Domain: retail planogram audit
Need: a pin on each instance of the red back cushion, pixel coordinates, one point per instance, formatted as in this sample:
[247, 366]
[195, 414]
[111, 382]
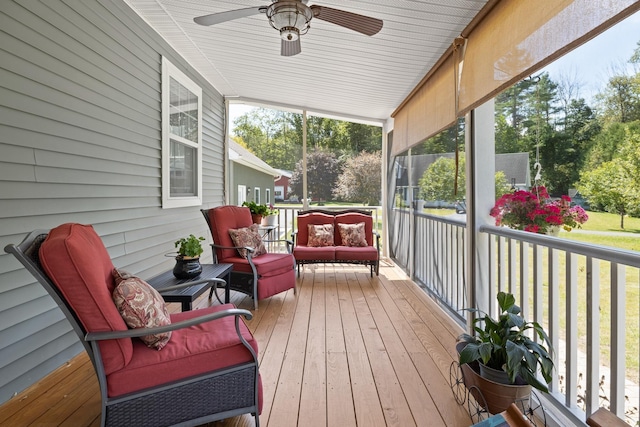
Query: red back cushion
[224, 218]
[354, 218]
[303, 225]
[77, 262]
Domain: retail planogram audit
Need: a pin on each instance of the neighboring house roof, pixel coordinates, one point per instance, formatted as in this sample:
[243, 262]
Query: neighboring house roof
[241, 155]
[285, 173]
[514, 165]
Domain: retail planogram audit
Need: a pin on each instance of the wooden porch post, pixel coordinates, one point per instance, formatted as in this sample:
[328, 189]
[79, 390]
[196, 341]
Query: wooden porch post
[480, 152]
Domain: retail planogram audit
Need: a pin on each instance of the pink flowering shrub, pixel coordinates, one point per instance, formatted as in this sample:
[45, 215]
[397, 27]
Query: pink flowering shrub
[534, 211]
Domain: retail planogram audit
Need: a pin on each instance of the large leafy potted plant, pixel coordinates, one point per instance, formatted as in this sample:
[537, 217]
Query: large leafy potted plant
[188, 258]
[505, 345]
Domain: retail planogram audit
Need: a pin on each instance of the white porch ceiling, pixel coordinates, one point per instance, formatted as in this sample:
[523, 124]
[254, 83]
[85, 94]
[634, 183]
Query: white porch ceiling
[339, 72]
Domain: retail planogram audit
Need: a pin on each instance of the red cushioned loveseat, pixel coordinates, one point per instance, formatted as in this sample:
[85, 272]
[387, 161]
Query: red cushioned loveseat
[336, 250]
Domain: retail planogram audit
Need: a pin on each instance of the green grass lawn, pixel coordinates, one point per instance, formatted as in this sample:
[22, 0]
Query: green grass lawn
[603, 221]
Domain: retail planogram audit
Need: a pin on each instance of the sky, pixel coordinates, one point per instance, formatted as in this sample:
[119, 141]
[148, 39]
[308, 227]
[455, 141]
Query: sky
[590, 63]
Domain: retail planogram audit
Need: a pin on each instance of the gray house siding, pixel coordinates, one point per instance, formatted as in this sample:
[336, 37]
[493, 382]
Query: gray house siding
[80, 141]
[244, 175]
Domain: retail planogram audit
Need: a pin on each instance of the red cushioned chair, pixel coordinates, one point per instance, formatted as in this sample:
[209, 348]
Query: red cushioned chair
[259, 277]
[207, 371]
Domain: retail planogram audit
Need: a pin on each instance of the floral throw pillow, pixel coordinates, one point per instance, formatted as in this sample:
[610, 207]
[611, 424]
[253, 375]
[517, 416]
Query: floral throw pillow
[320, 235]
[353, 234]
[141, 306]
[248, 237]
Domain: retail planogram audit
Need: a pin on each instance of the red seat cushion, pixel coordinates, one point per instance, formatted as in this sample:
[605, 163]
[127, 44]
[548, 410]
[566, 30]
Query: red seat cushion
[355, 253]
[306, 253]
[77, 262]
[191, 351]
[269, 264]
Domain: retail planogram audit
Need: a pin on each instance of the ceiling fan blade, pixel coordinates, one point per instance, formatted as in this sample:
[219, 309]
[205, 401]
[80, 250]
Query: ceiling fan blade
[290, 47]
[360, 23]
[217, 18]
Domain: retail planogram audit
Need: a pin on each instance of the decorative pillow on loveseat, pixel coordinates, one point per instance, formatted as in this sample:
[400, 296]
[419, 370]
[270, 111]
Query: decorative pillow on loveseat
[320, 235]
[141, 306]
[353, 234]
[248, 237]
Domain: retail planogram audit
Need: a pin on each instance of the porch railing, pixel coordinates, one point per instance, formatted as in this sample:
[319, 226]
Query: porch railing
[582, 294]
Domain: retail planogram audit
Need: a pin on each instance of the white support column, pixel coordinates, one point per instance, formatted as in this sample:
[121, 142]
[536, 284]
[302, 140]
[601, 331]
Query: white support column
[225, 156]
[411, 260]
[480, 161]
[385, 187]
[305, 202]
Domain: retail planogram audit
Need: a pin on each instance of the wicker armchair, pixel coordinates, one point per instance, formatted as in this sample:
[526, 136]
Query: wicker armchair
[207, 371]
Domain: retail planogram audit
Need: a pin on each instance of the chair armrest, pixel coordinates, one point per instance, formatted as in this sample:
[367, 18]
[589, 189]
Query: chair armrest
[140, 332]
[249, 248]
[194, 283]
[293, 237]
[375, 233]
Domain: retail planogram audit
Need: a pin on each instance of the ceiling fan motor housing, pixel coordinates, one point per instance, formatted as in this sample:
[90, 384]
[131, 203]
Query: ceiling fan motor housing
[290, 17]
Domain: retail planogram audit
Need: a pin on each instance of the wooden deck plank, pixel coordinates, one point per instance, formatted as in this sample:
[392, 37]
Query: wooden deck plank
[394, 402]
[340, 409]
[287, 395]
[347, 350]
[366, 402]
[313, 399]
[274, 353]
[403, 317]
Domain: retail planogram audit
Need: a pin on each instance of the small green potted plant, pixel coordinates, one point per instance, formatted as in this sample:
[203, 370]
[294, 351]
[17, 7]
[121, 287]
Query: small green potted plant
[504, 345]
[271, 217]
[188, 258]
[257, 210]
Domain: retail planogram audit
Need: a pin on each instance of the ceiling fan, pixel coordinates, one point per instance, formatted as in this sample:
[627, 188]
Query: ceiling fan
[292, 18]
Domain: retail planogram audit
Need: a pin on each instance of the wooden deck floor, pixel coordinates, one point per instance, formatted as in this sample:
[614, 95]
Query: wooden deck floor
[347, 350]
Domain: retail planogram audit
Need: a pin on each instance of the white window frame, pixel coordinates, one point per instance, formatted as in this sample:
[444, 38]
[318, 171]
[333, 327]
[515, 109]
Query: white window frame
[256, 195]
[170, 71]
[267, 196]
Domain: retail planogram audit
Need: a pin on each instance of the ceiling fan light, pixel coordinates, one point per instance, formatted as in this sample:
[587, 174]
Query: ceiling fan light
[291, 18]
[289, 33]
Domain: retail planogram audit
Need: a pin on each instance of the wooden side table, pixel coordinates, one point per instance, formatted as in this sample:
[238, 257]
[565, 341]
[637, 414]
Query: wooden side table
[188, 294]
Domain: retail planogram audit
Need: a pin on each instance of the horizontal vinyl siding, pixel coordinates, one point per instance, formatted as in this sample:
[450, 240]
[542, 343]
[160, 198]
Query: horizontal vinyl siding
[80, 141]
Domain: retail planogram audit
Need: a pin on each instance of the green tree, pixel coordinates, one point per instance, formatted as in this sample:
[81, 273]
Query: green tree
[269, 135]
[323, 169]
[620, 100]
[502, 185]
[437, 182]
[360, 180]
[443, 142]
[608, 186]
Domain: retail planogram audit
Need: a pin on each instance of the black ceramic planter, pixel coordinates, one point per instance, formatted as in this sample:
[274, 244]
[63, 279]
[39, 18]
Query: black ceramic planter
[187, 268]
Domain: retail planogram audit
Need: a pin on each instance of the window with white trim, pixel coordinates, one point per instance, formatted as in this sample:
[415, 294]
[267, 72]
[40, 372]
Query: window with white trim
[256, 195]
[267, 196]
[181, 139]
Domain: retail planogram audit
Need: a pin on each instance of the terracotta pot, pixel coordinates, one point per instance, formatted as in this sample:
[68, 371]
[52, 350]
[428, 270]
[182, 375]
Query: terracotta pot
[257, 218]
